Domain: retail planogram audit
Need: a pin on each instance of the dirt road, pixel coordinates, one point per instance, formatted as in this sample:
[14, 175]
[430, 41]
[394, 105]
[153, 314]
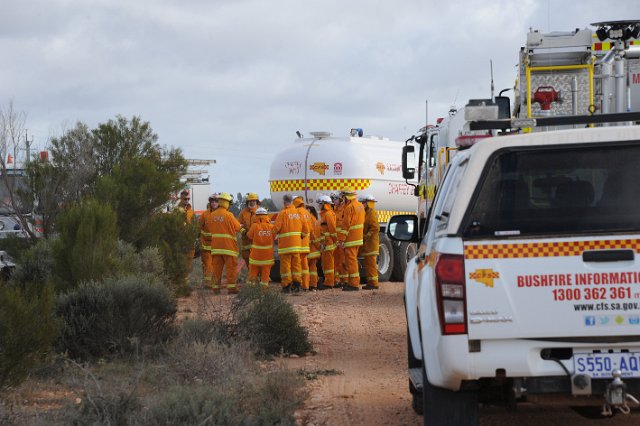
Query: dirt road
[362, 336]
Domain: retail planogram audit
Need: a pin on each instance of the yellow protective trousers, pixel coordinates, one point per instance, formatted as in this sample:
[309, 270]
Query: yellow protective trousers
[313, 272]
[304, 269]
[339, 266]
[260, 270]
[326, 260]
[371, 269]
[220, 261]
[351, 265]
[207, 267]
[290, 269]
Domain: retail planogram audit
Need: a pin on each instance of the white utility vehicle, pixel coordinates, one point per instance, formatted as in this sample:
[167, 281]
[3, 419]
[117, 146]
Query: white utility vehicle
[527, 277]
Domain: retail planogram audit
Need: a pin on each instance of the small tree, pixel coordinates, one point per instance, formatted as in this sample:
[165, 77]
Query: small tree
[14, 198]
[174, 240]
[87, 243]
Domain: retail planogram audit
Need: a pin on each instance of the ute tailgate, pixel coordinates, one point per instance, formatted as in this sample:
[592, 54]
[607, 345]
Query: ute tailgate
[553, 288]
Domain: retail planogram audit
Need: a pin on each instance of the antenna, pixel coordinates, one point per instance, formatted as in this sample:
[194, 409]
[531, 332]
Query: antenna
[492, 87]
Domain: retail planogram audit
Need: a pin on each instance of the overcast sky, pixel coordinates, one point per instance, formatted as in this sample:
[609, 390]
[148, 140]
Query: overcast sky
[232, 80]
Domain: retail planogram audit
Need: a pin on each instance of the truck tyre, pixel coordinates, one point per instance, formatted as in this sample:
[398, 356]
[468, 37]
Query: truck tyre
[402, 253]
[443, 407]
[385, 258]
[275, 272]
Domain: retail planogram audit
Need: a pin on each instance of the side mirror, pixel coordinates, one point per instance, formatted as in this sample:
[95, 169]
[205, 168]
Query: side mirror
[408, 162]
[504, 106]
[403, 227]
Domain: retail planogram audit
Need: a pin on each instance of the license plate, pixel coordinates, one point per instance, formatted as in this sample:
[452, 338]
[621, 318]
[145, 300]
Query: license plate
[600, 365]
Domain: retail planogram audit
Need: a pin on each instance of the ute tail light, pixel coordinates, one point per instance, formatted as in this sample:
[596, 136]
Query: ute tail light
[451, 294]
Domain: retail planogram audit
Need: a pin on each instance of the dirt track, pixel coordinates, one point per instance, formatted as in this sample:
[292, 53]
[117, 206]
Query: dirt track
[363, 336]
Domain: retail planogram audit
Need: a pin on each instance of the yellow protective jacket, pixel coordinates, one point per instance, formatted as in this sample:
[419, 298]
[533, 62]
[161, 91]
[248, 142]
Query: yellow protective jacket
[328, 228]
[224, 227]
[262, 236]
[352, 224]
[317, 238]
[246, 218]
[290, 229]
[371, 234]
[206, 229]
[188, 213]
[306, 216]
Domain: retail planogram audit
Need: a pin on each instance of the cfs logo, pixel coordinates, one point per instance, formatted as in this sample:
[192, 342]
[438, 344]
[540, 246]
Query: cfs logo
[319, 167]
[264, 233]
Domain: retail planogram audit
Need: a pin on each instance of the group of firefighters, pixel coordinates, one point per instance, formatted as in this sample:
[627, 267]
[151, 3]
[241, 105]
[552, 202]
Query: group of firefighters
[344, 228]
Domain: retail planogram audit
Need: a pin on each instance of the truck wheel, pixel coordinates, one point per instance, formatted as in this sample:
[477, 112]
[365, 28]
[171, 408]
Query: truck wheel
[445, 407]
[385, 258]
[402, 253]
[275, 272]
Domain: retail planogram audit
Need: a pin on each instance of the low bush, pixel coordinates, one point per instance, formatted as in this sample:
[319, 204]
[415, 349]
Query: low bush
[117, 316]
[146, 263]
[270, 322]
[35, 264]
[28, 328]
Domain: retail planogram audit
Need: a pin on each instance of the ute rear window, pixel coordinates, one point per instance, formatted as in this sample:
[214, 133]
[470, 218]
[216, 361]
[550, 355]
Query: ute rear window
[557, 191]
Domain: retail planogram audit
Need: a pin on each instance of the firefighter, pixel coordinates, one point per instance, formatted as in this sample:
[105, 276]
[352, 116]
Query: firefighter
[185, 208]
[262, 236]
[340, 276]
[316, 239]
[327, 245]
[245, 217]
[350, 237]
[224, 245]
[298, 203]
[371, 238]
[290, 228]
[206, 225]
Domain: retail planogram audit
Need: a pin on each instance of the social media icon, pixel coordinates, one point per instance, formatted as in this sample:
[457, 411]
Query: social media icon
[619, 319]
[634, 319]
[604, 320]
[590, 320]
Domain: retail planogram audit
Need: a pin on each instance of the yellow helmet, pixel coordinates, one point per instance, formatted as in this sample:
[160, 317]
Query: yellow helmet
[298, 200]
[252, 196]
[225, 196]
[348, 190]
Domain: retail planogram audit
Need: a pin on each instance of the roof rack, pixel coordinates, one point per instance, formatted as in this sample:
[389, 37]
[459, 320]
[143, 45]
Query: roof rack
[567, 120]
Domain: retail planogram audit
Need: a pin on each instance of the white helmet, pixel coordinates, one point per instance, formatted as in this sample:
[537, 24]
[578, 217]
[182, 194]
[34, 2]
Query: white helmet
[324, 199]
[370, 197]
[261, 210]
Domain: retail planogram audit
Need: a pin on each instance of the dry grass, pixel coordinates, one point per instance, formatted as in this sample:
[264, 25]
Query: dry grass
[197, 378]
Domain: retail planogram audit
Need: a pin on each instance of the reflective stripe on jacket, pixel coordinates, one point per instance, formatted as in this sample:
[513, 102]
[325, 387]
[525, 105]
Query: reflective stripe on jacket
[224, 228]
[261, 235]
[353, 224]
[371, 234]
[289, 228]
[246, 217]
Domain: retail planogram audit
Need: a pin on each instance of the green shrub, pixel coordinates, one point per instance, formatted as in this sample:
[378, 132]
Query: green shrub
[146, 263]
[28, 327]
[35, 264]
[86, 245]
[116, 316]
[270, 322]
[174, 241]
[197, 405]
